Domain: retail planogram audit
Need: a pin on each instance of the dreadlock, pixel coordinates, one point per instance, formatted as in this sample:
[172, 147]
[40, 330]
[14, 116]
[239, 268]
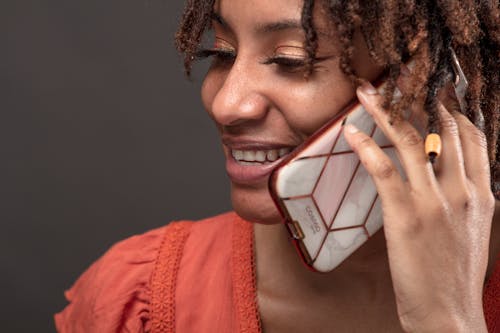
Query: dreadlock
[394, 31]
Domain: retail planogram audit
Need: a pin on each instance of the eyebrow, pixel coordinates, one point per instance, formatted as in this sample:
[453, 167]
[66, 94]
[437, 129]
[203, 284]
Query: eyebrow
[279, 26]
[263, 28]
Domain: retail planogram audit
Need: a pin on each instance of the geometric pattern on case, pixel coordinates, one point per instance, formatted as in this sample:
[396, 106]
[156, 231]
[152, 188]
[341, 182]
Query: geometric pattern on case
[338, 246]
[332, 183]
[359, 118]
[324, 145]
[302, 176]
[338, 224]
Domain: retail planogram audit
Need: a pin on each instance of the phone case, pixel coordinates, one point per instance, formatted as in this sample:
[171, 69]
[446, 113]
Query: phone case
[326, 197]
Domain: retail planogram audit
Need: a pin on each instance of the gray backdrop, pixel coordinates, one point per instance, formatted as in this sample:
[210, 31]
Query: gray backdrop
[101, 137]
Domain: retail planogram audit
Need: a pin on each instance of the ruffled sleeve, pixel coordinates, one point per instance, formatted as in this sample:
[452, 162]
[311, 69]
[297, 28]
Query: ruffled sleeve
[113, 295]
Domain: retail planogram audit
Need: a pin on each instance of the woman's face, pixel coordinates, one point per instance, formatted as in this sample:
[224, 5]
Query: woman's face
[257, 92]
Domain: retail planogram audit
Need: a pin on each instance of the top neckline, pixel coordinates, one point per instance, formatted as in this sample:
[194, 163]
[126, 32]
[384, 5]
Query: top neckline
[245, 284]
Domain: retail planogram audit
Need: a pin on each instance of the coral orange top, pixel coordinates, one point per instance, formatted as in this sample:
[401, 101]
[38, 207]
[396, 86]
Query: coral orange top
[185, 277]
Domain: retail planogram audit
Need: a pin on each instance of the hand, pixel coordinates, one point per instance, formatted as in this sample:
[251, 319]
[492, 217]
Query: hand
[437, 222]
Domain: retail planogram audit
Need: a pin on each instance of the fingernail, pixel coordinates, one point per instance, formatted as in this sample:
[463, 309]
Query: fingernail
[368, 89]
[350, 128]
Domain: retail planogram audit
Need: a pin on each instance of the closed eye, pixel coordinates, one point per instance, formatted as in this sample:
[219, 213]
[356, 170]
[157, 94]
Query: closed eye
[223, 56]
[289, 64]
[293, 64]
[220, 56]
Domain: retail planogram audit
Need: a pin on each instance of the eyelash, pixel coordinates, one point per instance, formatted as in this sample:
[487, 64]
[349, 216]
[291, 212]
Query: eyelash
[225, 56]
[287, 64]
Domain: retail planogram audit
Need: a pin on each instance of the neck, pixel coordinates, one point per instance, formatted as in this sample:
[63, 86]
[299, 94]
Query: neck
[279, 268]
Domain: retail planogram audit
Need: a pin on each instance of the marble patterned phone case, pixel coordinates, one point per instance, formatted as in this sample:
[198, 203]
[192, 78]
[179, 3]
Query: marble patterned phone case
[326, 197]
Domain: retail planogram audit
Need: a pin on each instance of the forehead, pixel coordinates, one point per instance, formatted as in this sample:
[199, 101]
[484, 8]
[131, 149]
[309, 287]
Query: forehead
[256, 14]
[251, 10]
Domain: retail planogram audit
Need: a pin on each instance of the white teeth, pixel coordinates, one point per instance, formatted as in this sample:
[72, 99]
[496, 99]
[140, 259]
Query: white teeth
[249, 155]
[272, 155]
[237, 154]
[260, 155]
[284, 151]
[255, 157]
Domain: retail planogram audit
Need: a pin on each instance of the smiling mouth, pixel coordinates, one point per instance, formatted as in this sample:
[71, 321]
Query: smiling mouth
[259, 157]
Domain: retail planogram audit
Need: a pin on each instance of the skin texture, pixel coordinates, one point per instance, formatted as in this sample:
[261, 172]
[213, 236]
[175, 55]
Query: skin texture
[247, 99]
[426, 271]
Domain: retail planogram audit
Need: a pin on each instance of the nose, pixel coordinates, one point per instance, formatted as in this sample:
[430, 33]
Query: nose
[240, 97]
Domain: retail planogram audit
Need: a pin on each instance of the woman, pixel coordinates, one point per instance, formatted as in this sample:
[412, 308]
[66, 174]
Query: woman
[281, 69]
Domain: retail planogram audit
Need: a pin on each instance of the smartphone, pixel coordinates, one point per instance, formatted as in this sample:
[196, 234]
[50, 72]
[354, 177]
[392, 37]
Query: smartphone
[326, 197]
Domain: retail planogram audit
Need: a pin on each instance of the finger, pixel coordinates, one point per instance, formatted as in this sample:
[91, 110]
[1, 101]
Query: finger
[475, 151]
[390, 186]
[448, 98]
[450, 169]
[406, 139]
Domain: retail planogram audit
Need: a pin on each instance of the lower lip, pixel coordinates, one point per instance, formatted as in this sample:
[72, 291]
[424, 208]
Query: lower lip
[249, 174]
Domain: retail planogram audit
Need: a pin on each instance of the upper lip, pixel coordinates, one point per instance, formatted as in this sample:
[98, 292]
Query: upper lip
[242, 143]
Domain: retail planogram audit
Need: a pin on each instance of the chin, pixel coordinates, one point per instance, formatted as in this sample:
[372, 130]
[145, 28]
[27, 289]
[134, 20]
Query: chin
[254, 204]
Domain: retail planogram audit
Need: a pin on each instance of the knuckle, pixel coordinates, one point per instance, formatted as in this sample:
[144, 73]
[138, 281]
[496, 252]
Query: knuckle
[472, 133]
[479, 138]
[465, 200]
[384, 169]
[450, 125]
[441, 211]
[414, 227]
[364, 142]
[460, 198]
[410, 137]
[487, 200]
[472, 200]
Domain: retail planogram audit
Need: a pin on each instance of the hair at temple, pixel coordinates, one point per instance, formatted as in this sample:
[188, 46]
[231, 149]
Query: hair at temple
[394, 31]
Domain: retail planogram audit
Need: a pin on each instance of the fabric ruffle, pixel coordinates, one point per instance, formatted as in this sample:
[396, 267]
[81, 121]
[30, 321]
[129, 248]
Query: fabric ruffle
[114, 294]
[206, 265]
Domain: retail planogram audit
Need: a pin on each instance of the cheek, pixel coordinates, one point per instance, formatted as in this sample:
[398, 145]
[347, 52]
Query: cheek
[311, 105]
[305, 105]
